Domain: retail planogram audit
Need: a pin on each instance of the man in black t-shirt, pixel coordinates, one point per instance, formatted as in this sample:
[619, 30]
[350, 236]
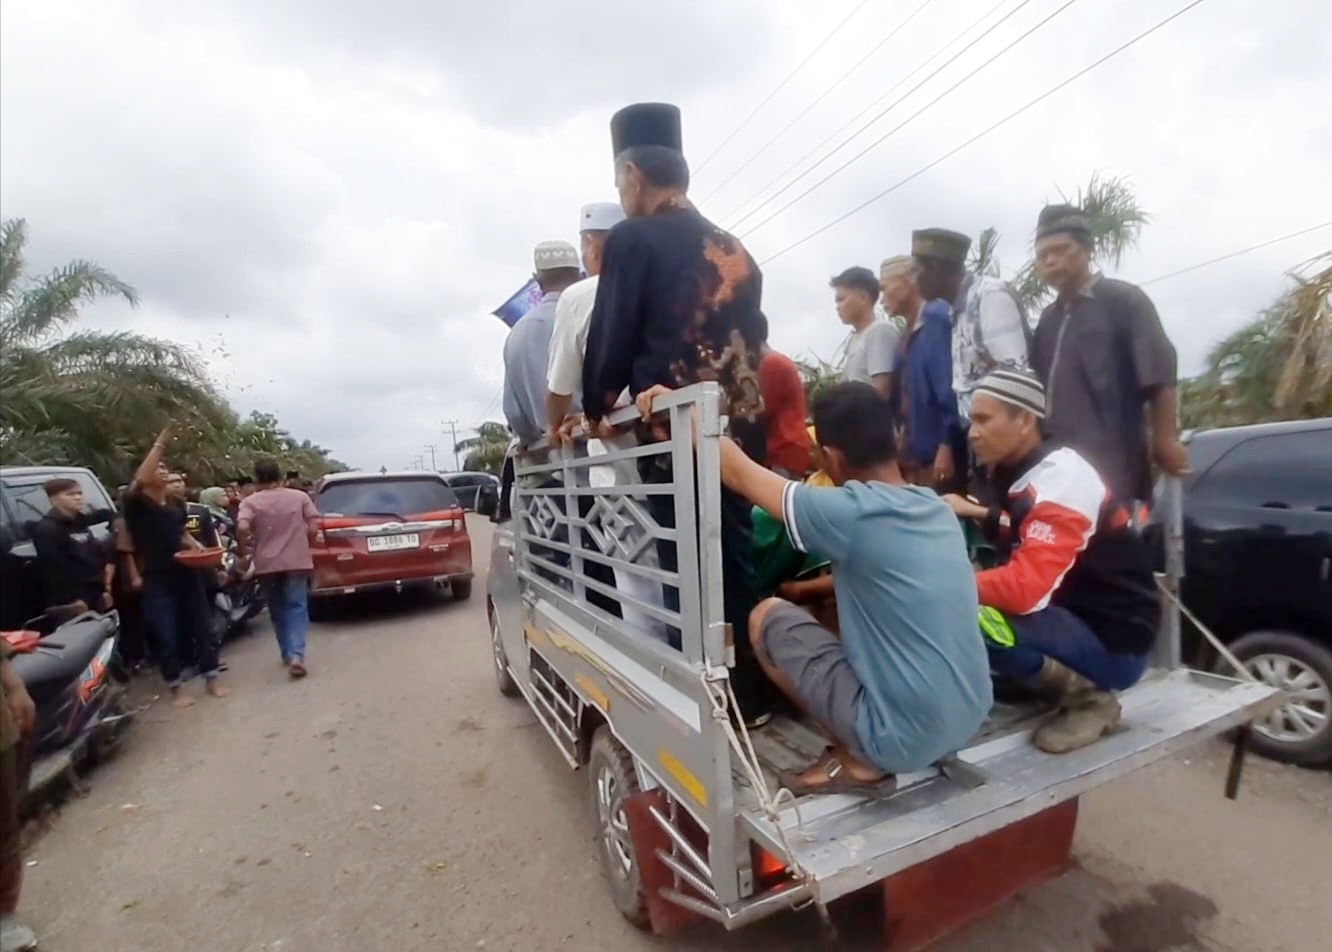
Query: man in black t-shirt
[174, 602]
[75, 566]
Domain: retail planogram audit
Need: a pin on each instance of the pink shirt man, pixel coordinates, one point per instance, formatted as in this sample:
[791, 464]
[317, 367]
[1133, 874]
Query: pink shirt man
[281, 520]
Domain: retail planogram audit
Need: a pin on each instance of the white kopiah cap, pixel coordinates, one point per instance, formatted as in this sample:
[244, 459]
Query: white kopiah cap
[550, 255]
[600, 216]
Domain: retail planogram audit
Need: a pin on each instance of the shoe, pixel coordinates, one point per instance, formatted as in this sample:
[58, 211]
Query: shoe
[15, 936]
[1083, 719]
[296, 669]
[1057, 681]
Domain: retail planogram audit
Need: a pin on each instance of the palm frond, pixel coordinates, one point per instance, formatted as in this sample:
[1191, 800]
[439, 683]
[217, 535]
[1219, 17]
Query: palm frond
[13, 241]
[984, 258]
[1116, 217]
[52, 301]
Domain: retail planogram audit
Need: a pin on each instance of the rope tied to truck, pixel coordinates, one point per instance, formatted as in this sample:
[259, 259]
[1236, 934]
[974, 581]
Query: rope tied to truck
[721, 694]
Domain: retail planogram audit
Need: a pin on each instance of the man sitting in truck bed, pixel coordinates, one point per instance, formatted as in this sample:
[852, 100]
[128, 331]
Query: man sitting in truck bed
[1073, 612]
[907, 682]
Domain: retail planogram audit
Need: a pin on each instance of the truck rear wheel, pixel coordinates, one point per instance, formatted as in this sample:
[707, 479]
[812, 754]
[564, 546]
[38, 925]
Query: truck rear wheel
[612, 780]
[503, 678]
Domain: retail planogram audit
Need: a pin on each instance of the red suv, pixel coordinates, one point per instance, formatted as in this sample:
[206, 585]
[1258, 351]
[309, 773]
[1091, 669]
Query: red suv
[389, 531]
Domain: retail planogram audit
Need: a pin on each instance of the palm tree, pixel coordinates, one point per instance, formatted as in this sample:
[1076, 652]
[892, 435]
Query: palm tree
[87, 397]
[1276, 367]
[485, 451]
[818, 376]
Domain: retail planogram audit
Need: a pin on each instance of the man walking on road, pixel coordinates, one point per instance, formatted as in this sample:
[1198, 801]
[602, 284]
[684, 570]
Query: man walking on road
[17, 717]
[276, 523]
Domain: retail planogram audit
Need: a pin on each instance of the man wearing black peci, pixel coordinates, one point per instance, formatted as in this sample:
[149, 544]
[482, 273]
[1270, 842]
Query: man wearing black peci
[679, 303]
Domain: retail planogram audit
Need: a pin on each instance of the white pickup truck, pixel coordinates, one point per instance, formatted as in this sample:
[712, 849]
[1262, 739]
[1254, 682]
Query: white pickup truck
[692, 823]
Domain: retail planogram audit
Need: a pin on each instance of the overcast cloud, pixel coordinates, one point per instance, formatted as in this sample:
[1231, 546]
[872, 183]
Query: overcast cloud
[329, 198]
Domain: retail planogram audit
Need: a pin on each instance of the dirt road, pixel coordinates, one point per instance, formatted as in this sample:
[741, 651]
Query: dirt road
[394, 801]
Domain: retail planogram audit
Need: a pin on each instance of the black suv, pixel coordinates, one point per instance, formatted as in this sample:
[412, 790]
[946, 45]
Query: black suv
[1258, 556]
[466, 485]
[22, 503]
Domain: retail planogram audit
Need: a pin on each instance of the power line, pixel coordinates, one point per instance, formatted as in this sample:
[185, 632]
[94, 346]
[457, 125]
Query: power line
[980, 135]
[800, 115]
[852, 121]
[780, 86]
[915, 115]
[1235, 254]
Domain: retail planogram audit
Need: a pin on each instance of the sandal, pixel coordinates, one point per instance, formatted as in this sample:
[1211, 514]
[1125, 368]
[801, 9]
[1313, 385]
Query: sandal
[839, 780]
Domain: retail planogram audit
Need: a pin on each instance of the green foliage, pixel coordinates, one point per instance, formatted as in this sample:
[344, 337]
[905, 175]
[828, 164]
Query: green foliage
[818, 376]
[485, 451]
[1276, 367]
[97, 399]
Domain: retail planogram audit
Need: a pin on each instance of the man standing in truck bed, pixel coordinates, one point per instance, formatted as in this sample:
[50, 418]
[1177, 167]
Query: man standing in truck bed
[678, 303]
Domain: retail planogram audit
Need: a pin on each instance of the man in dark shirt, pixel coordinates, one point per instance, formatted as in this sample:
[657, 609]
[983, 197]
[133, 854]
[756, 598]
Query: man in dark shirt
[1103, 356]
[76, 567]
[678, 303]
[174, 602]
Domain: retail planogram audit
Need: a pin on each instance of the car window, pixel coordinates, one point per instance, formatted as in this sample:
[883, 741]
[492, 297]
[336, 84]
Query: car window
[399, 497]
[26, 499]
[1282, 471]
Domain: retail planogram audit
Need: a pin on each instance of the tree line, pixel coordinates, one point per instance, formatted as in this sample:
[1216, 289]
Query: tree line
[82, 397]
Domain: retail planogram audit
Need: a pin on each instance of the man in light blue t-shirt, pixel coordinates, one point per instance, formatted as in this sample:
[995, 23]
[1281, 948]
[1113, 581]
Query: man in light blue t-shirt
[907, 682]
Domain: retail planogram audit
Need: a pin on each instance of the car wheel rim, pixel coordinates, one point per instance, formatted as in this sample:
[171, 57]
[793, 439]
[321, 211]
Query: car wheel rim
[1308, 708]
[614, 823]
[497, 648]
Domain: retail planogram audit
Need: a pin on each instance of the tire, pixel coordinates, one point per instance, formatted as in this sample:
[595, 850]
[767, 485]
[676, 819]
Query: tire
[321, 609]
[1300, 732]
[500, 660]
[612, 779]
[461, 590]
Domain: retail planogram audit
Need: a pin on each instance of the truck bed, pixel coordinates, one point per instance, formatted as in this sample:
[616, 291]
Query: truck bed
[846, 843]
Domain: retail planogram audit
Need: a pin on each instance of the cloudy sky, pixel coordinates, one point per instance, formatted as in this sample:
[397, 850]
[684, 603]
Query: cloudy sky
[328, 198]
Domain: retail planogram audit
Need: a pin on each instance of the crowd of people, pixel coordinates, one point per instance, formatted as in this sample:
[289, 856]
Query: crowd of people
[159, 570]
[843, 548]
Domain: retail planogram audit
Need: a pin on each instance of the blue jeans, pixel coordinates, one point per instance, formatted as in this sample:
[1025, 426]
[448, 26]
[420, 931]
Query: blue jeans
[288, 597]
[175, 607]
[1057, 633]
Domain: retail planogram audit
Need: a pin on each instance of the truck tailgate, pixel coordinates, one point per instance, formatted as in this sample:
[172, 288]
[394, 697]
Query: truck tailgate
[846, 843]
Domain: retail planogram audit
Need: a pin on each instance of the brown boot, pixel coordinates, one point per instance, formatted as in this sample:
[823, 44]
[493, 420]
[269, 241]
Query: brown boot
[1086, 713]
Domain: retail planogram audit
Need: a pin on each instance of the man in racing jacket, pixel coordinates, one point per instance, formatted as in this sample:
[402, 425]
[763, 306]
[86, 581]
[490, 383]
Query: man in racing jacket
[1072, 611]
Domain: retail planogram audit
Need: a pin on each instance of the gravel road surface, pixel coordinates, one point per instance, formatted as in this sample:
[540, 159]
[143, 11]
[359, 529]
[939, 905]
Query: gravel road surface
[394, 801]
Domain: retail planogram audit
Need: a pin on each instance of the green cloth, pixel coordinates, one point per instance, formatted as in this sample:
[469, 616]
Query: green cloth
[776, 560]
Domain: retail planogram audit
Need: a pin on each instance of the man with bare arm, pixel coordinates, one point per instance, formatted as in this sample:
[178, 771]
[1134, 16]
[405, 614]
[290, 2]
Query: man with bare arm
[174, 603]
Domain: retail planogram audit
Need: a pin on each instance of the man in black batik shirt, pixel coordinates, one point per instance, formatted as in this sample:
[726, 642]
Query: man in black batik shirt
[679, 303]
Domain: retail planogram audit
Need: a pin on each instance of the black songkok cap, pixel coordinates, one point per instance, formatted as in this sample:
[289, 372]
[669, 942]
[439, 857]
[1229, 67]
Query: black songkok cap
[646, 123]
[1054, 219]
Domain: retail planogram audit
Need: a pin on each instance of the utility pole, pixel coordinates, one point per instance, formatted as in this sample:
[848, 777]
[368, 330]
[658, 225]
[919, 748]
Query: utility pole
[453, 430]
[431, 448]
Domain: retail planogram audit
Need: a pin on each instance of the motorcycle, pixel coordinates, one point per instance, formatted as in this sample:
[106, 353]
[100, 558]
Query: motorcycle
[237, 598]
[78, 684]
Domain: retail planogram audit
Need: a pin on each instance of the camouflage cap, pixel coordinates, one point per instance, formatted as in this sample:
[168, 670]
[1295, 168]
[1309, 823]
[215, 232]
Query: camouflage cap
[940, 244]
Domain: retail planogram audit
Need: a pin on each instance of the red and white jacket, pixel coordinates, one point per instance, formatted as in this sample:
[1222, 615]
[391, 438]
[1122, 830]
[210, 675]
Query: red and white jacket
[1071, 548]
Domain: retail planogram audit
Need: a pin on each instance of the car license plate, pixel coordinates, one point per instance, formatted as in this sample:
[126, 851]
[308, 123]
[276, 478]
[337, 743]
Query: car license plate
[393, 543]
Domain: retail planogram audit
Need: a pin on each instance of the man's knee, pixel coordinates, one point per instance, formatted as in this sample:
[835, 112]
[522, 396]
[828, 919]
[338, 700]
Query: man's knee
[757, 617]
